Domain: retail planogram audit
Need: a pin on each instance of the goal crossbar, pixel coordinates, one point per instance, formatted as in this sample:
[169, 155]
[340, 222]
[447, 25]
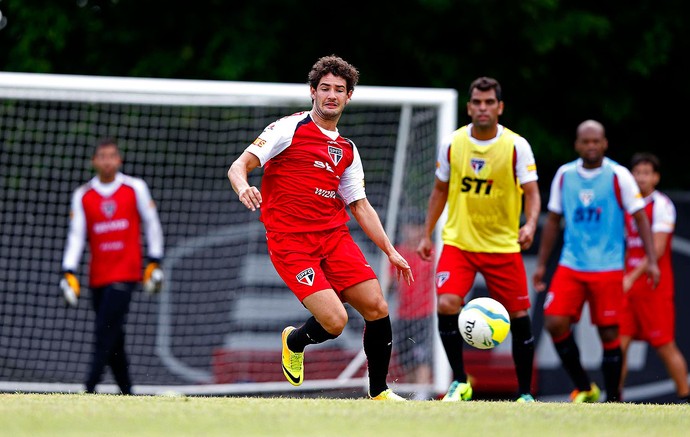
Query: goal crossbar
[202, 92]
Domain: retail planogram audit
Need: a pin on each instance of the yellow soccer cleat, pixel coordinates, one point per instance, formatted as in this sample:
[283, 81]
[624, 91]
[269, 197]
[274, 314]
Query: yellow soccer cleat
[587, 396]
[458, 391]
[293, 362]
[387, 395]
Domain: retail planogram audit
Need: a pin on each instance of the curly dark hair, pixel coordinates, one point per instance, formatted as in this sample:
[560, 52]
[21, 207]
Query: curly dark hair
[485, 84]
[335, 65]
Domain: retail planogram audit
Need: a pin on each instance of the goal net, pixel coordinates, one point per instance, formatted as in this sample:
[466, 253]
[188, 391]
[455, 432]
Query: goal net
[215, 328]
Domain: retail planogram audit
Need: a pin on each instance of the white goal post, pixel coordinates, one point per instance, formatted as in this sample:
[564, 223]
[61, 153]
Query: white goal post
[215, 328]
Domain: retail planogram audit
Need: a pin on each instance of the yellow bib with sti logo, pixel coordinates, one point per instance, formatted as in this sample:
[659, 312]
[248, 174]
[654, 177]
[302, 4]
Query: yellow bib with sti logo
[484, 194]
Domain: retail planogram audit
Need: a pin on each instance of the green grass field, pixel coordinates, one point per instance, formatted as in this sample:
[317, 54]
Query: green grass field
[110, 415]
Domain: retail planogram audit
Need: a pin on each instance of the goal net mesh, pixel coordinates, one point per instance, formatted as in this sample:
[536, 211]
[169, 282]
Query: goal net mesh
[216, 325]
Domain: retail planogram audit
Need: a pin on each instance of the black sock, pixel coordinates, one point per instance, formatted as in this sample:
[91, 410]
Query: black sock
[611, 367]
[570, 358]
[310, 333]
[378, 344]
[523, 352]
[452, 343]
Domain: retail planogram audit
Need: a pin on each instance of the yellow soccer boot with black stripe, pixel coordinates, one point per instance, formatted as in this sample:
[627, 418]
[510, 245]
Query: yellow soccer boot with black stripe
[293, 362]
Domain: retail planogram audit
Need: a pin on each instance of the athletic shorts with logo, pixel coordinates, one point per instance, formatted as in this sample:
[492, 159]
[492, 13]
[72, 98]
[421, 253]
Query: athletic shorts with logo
[313, 261]
[504, 274]
[570, 289]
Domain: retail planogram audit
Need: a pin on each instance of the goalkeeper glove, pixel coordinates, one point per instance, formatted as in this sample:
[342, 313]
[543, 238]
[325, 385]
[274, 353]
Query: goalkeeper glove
[153, 278]
[69, 285]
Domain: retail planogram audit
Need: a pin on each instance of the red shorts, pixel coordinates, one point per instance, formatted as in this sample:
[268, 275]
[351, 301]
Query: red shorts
[570, 289]
[313, 261]
[504, 274]
[649, 315]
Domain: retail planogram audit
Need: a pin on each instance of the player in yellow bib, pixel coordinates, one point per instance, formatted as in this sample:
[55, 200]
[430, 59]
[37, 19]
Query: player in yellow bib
[483, 172]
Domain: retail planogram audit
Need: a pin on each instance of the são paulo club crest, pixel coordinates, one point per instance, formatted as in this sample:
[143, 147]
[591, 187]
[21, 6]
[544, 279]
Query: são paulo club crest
[306, 277]
[108, 208]
[441, 278]
[586, 197]
[477, 164]
[336, 153]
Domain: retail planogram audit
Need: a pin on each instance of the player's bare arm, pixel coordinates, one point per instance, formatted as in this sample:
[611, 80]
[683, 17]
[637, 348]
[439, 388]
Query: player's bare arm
[369, 221]
[238, 175]
[660, 241]
[630, 277]
[437, 201]
[549, 233]
[653, 272]
[531, 211]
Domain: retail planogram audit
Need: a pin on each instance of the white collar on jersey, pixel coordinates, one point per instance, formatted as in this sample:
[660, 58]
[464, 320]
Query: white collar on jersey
[588, 173]
[106, 189]
[332, 134]
[499, 131]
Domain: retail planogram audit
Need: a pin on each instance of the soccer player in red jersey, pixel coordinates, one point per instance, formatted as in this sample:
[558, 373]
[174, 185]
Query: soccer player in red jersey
[310, 174]
[649, 313]
[108, 212]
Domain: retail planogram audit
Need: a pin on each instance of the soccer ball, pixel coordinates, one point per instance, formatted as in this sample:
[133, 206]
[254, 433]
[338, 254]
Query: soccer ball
[484, 323]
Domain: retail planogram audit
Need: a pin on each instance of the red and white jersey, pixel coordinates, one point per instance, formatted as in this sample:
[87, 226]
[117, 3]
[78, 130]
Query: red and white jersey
[108, 216]
[310, 174]
[662, 218]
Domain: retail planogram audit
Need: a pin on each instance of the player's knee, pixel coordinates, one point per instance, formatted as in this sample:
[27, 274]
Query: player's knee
[449, 304]
[557, 326]
[334, 322]
[609, 335]
[376, 310]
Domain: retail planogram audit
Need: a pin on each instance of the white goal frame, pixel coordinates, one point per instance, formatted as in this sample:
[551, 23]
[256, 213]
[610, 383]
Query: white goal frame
[129, 90]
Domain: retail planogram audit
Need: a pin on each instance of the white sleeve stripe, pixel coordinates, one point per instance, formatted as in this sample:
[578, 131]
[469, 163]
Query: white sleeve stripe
[351, 186]
[149, 217]
[525, 159]
[76, 235]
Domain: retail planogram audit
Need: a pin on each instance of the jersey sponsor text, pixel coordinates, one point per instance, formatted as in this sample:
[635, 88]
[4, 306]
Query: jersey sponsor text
[329, 194]
[324, 165]
[111, 246]
[477, 186]
[110, 226]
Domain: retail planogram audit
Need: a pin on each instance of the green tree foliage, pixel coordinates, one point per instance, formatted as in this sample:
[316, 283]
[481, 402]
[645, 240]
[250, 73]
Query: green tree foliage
[560, 61]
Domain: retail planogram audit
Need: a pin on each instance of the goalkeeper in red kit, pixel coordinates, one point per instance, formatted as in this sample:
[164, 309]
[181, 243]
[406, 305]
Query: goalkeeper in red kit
[310, 174]
[108, 212]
